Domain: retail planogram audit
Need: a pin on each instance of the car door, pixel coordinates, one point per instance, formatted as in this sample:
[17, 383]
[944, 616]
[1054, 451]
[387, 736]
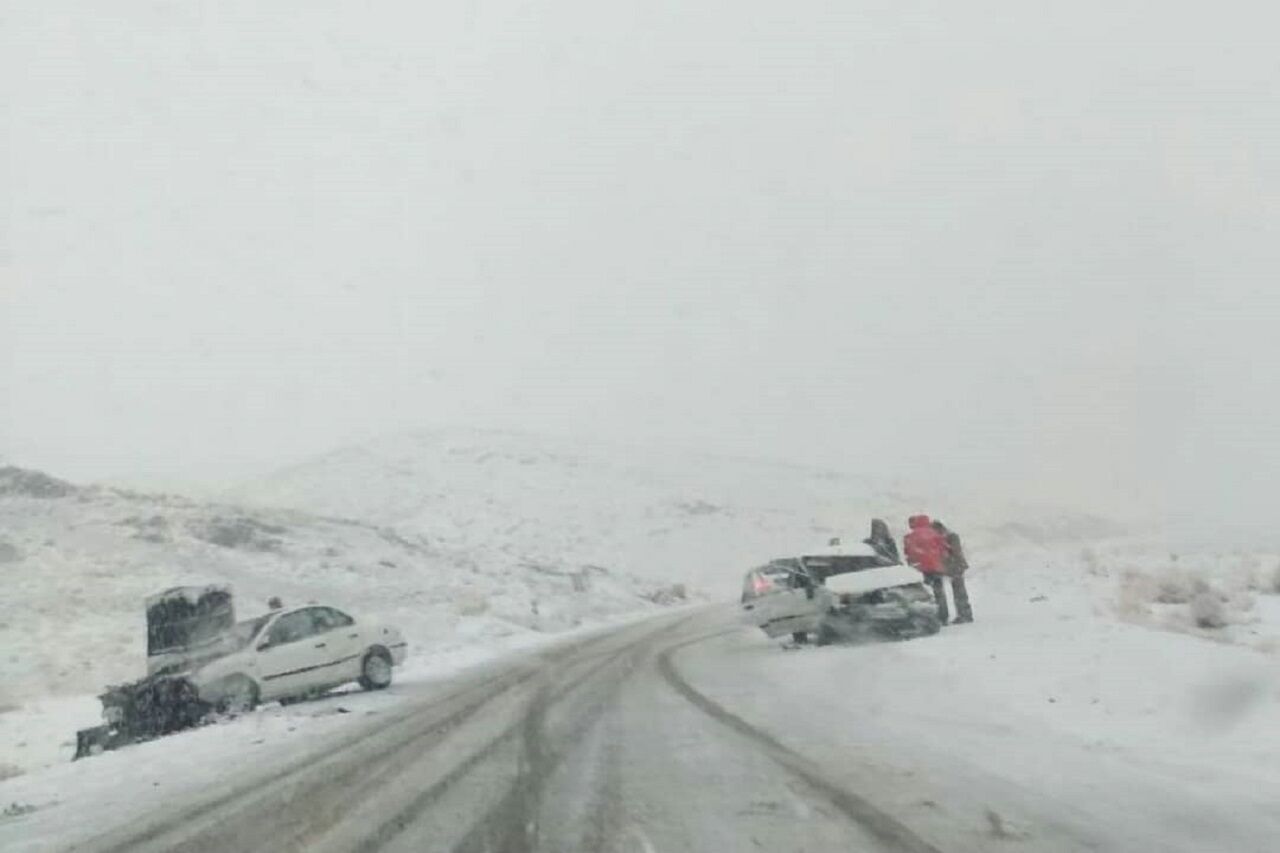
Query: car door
[294, 657]
[345, 642]
[797, 606]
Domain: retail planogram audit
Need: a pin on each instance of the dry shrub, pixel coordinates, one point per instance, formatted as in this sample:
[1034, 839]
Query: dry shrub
[1207, 609]
[1176, 587]
[1092, 563]
[1137, 590]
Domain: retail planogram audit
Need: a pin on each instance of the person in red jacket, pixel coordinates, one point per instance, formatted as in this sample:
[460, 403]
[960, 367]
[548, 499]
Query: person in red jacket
[926, 550]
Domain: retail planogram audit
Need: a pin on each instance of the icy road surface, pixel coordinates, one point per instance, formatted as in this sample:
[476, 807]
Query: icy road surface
[680, 733]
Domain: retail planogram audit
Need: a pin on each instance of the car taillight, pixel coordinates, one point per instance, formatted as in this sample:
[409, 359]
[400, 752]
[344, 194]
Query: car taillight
[761, 585]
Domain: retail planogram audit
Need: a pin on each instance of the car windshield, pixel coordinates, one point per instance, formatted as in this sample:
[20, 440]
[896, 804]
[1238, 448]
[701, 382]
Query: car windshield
[244, 632]
[822, 567]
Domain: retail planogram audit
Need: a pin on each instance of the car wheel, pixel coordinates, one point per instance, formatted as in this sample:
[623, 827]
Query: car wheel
[239, 695]
[929, 624]
[375, 670]
[919, 625]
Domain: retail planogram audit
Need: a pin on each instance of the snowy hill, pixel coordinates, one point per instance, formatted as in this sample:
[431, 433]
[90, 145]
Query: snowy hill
[474, 542]
[77, 562]
[703, 519]
[502, 496]
[696, 517]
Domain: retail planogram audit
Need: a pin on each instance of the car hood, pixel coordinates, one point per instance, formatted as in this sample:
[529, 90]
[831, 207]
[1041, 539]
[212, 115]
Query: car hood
[869, 580]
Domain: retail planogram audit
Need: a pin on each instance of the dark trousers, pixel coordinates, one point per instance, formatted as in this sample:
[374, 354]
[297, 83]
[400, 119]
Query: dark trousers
[958, 590]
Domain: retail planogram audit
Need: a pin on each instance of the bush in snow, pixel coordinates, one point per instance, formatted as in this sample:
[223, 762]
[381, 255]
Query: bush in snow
[668, 595]
[1137, 590]
[245, 534]
[1176, 587]
[1207, 609]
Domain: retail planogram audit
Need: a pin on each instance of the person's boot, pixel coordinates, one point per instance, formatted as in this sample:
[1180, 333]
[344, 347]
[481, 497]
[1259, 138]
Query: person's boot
[963, 620]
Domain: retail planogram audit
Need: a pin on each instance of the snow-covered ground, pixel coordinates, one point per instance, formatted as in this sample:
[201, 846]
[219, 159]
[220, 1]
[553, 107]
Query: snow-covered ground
[1068, 717]
[77, 563]
[1108, 680]
[60, 802]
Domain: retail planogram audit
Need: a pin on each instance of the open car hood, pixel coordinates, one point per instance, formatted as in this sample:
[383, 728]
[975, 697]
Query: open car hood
[188, 623]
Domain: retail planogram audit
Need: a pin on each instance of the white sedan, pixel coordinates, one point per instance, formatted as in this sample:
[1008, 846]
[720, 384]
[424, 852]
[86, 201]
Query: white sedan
[299, 652]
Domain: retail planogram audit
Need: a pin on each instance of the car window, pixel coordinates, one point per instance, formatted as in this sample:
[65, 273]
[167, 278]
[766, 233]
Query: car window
[327, 618]
[292, 627]
[822, 568]
[244, 632]
[798, 580]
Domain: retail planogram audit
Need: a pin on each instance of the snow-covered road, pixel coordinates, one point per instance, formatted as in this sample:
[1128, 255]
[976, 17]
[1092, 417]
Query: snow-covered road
[591, 745]
[687, 732]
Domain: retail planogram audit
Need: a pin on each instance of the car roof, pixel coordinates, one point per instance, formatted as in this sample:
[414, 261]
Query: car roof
[856, 548]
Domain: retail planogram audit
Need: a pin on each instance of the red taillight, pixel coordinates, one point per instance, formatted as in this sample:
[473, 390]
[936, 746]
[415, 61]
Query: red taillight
[761, 585]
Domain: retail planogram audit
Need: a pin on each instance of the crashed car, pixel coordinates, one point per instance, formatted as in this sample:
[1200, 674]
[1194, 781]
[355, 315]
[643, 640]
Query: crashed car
[843, 593]
[201, 661]
[292, 654]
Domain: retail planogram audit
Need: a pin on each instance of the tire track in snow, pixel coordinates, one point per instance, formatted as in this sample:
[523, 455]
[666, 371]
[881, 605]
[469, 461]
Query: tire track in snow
[511, 825]
[301, 801]
[861, 811]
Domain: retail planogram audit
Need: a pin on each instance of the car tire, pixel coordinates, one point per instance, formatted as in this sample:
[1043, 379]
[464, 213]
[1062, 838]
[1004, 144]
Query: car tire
[930, 625]
[375, 670]
[920, 625]
[239, 695]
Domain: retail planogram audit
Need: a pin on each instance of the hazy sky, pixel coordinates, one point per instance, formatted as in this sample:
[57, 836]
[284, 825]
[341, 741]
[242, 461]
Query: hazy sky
[1015, 245]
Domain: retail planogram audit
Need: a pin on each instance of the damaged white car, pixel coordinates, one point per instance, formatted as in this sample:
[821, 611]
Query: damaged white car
[201, 660]
[293, 654]
[840, 593]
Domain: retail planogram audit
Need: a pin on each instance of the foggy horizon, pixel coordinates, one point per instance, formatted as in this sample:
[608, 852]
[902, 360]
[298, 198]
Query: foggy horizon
[1009, 252]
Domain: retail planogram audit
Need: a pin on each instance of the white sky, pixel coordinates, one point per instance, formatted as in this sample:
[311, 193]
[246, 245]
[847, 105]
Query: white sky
[1027, 247]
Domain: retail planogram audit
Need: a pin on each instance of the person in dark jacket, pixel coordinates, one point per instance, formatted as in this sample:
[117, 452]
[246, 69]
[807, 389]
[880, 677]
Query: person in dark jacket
[955, 565]
[926, 551]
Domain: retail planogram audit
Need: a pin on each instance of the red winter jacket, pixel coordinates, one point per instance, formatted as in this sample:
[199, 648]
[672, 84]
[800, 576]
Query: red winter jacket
[926, 548]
